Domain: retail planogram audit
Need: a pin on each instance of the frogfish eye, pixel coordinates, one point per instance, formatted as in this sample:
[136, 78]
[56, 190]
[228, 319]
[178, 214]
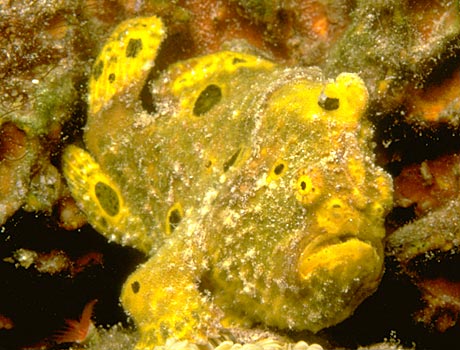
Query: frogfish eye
[308, 186]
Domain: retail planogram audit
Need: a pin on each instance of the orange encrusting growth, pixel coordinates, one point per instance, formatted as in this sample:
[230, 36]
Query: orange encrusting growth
[428, 185]
[436, 102]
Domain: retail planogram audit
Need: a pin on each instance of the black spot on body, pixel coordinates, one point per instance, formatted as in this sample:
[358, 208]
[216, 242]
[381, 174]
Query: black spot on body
[111, 77]
[237, 60]
[231, 161]
[303, 185]
[328, 103]
[108, 198]
[174, 219]
[135, 287]
[207, 99]
[133, 48]
[279, 169]
[98, 69]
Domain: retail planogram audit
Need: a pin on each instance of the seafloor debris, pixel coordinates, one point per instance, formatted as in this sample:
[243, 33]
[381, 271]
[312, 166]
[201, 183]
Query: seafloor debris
[55, 261]
[70, 216]
[428, 185]
[427, 253]
[386, 346]
[438, 100]
[118, 337]
[442, 300]
[438, 230]
[395, 45]
[263, 344]
[302, 32]
[18, 152]
[39, 74]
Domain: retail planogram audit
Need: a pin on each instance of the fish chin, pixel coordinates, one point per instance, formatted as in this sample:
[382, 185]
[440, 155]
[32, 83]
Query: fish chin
[339, 276]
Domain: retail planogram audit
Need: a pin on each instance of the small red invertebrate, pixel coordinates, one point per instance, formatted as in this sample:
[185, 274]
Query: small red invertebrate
[6, 322]
[77, 331]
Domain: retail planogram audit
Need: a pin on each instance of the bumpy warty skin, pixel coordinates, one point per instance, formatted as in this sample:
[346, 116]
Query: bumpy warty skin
[252, 186]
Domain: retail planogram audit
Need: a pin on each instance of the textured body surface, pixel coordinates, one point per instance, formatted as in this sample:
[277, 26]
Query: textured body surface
[252, 186]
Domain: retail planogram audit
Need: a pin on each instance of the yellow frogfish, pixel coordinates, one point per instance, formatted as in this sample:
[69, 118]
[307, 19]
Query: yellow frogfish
[250, 185]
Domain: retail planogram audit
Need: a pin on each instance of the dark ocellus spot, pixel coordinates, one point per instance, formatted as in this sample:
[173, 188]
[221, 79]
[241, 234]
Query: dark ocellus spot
[111, 77]
[135, 286]
[208, 98]
[97, 70]
[174, 219]
[133, 48]
[278, 169]
[328, 103]
[303, 185]
[108, 198]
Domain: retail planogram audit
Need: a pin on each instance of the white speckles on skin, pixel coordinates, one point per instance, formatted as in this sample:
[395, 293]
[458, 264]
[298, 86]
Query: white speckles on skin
[236, 114]
[208, 199]
[204, 209]
[147, 66]
[143, 120]
[257, 208]
[250, 253]
[226, 264]
[273, 185]
[21, 187]
[261, 182]
[281, 284]
[210, 196]
[176, 167]
[191, 229]
[228, 240]
[230, 218]
[189, 212]
[250, 289]
[170, 290]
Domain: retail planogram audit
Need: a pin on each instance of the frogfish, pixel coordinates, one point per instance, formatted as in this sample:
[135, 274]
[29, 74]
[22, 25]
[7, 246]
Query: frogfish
[251, 186]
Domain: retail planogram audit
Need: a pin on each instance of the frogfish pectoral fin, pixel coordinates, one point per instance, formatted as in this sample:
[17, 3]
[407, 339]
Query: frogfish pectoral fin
[102, 201]
[163, 298]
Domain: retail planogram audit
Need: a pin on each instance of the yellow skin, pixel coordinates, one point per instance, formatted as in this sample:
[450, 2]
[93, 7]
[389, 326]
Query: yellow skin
[252, 187]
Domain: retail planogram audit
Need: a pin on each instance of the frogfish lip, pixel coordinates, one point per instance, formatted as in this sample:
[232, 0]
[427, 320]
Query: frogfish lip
[333, 255]
[346, 270]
